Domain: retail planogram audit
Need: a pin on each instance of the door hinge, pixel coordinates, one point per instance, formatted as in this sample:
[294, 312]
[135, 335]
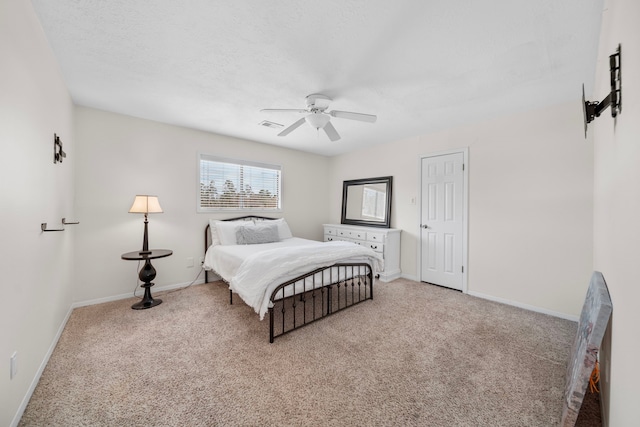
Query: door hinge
[463, 166]
[463, 268]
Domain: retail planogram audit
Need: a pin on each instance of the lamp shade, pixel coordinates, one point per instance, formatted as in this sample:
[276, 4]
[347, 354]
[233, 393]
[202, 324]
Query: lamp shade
[146, 204]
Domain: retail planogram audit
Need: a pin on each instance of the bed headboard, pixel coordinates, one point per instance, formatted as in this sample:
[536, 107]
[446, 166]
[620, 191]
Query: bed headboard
[207, 230]
[207, 233]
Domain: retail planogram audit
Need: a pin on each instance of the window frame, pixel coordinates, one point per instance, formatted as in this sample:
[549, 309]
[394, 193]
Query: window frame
[202, 156]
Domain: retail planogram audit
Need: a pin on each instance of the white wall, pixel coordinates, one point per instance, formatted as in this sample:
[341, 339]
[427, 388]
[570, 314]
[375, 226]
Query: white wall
[120, 156]
[36, 267]
[530, 203]
[616, 211]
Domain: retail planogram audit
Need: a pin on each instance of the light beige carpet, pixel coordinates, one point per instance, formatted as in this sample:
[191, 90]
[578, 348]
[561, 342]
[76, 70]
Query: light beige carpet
[416, 355]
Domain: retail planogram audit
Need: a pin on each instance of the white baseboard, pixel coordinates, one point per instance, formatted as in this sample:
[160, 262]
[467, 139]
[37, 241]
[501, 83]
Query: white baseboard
[509, 302]
[525, 306]
[129, 295]
[409, 277]
[43, 364]
[388, 276]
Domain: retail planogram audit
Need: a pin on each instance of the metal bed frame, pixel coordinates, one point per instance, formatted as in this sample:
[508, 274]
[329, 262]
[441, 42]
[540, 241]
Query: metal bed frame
[313, 295]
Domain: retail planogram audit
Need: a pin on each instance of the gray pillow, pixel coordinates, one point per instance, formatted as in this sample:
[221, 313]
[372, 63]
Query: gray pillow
[255, 234]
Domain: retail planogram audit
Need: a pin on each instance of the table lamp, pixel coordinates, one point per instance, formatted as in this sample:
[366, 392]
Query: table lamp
[145, 205]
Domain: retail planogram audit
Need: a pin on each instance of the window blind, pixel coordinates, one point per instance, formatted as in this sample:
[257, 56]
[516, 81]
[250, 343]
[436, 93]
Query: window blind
[226, 184]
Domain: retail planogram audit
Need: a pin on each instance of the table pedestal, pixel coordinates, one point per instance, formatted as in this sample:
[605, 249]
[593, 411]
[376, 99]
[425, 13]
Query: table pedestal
[147, 274]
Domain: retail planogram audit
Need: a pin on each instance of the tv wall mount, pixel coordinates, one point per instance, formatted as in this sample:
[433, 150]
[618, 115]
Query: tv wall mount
[591, 110]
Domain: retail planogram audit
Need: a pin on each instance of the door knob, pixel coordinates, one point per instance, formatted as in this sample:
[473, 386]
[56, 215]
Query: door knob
[424, 226]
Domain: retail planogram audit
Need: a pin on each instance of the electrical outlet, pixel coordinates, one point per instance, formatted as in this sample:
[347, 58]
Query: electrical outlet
[13, 365]
[189, 262]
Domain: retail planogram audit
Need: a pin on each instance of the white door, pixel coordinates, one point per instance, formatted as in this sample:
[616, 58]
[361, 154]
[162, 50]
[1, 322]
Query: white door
[442, 220]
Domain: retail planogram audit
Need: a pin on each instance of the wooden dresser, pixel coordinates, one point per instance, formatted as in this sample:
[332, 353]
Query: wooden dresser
[385, 241]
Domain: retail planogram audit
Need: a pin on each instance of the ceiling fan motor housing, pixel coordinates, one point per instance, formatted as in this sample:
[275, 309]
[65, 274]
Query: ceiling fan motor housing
[318, 102]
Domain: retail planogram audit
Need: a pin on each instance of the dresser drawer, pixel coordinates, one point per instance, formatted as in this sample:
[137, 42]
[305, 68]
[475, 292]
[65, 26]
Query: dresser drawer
[351, 234]
[330, 238]
[358, 235]
[375, 237]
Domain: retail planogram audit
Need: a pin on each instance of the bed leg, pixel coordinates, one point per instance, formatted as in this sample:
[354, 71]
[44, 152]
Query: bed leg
[370, 284]
[270, 325]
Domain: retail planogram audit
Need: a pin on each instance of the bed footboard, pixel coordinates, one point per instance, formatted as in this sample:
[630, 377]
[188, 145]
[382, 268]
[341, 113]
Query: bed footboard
[318, 294]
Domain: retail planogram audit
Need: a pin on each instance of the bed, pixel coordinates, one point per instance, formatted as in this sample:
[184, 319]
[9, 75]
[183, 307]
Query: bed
[295, 281]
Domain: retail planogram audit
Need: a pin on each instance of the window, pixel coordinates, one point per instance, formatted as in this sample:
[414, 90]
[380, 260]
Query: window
[373, 202]
[238, 185]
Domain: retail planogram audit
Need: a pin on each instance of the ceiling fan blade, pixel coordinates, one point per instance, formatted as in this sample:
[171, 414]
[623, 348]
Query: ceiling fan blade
[291, 128]
[332, 133]
[283, 110]
[354, 116]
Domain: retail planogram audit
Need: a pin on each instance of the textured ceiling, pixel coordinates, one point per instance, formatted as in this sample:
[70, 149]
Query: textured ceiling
[420, 65]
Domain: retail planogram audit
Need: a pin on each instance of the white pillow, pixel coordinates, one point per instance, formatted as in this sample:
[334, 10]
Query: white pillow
[215, 240]
[228, 234]
[283, 228]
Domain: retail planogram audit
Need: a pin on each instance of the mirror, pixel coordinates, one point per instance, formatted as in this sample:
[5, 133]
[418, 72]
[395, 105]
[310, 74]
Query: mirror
[367, 202]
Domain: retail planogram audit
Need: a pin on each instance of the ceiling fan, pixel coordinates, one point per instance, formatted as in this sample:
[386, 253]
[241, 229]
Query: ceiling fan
[318, 116]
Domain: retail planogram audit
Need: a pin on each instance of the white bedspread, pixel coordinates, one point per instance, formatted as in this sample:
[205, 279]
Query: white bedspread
[254, 271]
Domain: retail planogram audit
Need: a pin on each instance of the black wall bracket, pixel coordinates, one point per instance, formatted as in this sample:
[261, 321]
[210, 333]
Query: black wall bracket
[591, 110]
[58, 154]
[43, 226]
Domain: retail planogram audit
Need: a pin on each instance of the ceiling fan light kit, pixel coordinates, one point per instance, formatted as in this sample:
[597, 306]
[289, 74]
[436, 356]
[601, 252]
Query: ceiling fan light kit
[591, 110]
[319, 118]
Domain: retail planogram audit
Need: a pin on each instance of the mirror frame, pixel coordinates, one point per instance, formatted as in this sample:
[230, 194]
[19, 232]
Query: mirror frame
[388, 180]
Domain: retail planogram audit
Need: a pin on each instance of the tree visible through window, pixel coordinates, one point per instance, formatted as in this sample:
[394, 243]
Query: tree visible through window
[238, 185]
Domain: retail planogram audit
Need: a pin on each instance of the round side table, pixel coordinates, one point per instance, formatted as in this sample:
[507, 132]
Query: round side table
[147, 274]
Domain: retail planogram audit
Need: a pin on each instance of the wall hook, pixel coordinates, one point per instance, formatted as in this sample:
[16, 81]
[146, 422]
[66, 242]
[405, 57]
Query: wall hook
[43, 227]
